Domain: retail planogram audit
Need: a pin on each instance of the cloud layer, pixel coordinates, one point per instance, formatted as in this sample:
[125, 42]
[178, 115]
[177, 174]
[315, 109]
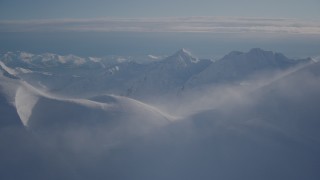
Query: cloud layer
[167, 24]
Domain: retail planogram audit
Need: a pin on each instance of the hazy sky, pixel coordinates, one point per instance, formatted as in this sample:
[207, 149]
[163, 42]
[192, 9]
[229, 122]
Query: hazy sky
[209, 27]
[42, 9]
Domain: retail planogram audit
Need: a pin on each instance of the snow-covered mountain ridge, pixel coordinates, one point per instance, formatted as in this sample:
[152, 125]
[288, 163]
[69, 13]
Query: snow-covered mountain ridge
[73, 75]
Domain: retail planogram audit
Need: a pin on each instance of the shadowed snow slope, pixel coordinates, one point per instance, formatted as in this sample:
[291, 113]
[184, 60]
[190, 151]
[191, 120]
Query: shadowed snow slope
[39, 111]
[52, 112]
[238, 66]
[272, 133]
[107, 116]
[8, 86]
[8, 112]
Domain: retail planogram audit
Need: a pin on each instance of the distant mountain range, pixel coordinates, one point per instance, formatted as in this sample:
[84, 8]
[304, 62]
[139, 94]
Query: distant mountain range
[75, 76]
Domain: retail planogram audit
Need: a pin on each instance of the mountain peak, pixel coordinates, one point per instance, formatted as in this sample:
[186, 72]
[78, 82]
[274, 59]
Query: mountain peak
[233, 53]
[183, 56]
[258, 57]
[259, 51]
[251, 52]
[184, 51]
[256, 50]
[237, 66]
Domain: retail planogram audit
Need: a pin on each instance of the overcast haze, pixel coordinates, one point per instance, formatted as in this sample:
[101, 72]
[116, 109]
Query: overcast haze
[39, 9]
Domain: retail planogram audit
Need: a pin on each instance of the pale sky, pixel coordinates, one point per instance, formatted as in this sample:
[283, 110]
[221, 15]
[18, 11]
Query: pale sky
[209, 27]
[57, 9]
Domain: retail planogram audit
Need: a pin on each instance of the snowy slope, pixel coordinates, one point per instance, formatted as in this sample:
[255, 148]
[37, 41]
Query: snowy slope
[51, 112]
[233, 132]
[167, 76]
[109, 120]
[271, 133]
[8, 112]
[266, 134]
[237, 66]
[289, 104]
[125, 78]
[40, 110]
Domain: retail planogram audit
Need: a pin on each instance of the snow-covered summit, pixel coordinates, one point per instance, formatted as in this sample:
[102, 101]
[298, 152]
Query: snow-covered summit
[182, 57]
[184, 51]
